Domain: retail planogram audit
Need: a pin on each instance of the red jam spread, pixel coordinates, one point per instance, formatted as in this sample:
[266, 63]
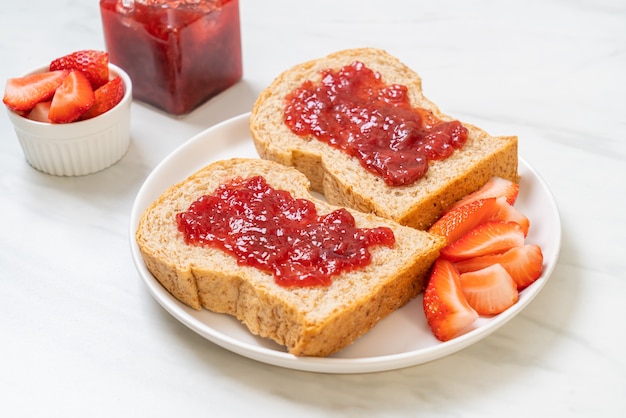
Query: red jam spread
[274, 232]
[178, 53]
[354, 110]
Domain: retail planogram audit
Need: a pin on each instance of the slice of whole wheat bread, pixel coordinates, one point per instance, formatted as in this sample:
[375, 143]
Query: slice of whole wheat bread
[312, 321]
[343, 180]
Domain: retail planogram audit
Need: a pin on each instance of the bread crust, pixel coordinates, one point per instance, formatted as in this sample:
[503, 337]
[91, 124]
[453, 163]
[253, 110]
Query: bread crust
[342, 179]
[309, 321]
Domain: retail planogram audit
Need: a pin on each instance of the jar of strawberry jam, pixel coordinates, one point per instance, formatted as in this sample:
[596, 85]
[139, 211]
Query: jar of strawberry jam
[178, 53]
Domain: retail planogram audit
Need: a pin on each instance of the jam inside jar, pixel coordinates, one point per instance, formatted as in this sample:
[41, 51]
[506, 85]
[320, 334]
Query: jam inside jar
[178, 53]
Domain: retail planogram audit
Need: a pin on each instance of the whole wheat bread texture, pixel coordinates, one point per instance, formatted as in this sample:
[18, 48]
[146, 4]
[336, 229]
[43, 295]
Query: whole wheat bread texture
[309, 321]
[343, 180]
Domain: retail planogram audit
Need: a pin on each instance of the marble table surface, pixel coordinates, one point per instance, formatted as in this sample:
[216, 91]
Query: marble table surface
[82, 336]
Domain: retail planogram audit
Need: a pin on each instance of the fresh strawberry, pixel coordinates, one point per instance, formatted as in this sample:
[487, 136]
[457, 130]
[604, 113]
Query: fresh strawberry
[71, 99]
[106, 97]
[94, 64]
[488, 238]
[524, 264]
[495, 187]
[445, 307]
[508, 212]
[39, 113]
[23, 93]
[456, 223]
[489, 291]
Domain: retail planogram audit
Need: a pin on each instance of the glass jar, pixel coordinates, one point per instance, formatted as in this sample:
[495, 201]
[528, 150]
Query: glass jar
[178, 53]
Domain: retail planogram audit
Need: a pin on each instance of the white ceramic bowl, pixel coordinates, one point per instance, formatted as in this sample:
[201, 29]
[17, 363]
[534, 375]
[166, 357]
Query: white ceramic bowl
[77, 148]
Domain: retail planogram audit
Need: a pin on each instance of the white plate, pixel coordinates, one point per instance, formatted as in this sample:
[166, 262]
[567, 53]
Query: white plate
[400, 340]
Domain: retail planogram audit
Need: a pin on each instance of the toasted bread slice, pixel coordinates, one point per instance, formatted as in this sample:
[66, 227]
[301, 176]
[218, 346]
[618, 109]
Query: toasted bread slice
[344, 181]
[312, 321]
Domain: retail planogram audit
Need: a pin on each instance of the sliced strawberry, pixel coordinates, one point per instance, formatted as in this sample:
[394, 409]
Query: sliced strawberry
[488, 238]
[524, 264]
[446, 309]
[106, 98]
[489, 291]
[71, 99]
[456, 223]
[40, 112]
[508, 212]
[94, 64]
[495, 187]
[23, 93]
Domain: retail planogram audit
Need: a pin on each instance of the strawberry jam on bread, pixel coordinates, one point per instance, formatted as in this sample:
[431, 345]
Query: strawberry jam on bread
[307, 320]
[343, 179]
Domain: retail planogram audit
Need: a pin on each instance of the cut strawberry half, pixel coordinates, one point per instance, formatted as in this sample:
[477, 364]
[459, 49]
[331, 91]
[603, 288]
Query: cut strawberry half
[488, 238]
[106, 98]
[489, 291]
[445, 307]
[495, 187]
[71, 99]
[93, 64]
[40, 112]
[524, 264]
[23, 93]
[456, 223]
[508, 212]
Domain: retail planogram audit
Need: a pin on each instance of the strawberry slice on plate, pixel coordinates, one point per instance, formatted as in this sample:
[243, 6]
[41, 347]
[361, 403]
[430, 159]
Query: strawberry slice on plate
[73, 97]
[524, 264]
[106, 98]
[458, 222]
[495, 187]
[445, 307]
[489, 291]
[23, 93]
[488, 238]
[508, 212]
[94, 64]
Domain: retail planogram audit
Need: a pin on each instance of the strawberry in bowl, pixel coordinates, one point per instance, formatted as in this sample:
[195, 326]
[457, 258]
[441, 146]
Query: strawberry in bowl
[72, 116]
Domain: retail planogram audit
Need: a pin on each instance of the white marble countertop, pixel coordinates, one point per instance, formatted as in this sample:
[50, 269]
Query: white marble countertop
[81, 335]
